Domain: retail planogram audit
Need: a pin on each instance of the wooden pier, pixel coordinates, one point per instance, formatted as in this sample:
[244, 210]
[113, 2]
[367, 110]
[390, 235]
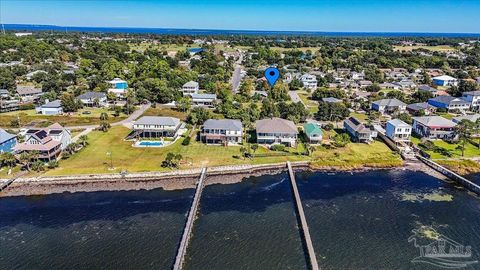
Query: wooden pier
[192, 215]
[6, 184]
[303, 220]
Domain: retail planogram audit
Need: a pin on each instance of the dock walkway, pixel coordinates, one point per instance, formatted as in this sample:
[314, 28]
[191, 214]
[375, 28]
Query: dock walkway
[303, 220]
[192, 215]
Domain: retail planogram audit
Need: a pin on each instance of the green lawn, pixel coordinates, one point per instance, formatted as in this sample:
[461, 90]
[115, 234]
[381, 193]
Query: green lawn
[165, 111]
[94, 159]
[470, 149]
[356, 155]
[359, 116]
[78, 118]
[439, 48]
[312, 105]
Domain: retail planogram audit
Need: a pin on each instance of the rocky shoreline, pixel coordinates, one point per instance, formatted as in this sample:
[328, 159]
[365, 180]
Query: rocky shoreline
[181, 179]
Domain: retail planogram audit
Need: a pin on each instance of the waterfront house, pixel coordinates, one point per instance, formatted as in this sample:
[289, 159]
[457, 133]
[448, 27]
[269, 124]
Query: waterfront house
[47, 142]
[51, 108]
[309, 81]
[156, 127]
[474, 98]
[313, 132]
[190, 88]
[276, 131]
[445, 80]
[92, 99]
[398, 131]
[358, 131]
[449, 103]
[222, 131]
[203, 100]
[118, 87]
[421, 108]
[389, 106]
[28, 93]
[434, 127]
[7, 141]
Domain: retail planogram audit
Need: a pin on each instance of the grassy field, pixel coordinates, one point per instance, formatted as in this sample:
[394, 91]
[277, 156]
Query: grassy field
[165, 111]
[29, 116]
[461, 166]
[355, 156]
[94, 159]
[312, 105]
[440, 48]
[470, 149]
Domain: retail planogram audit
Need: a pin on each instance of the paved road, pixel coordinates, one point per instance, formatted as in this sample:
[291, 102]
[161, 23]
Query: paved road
[237, 74]
[295, 97]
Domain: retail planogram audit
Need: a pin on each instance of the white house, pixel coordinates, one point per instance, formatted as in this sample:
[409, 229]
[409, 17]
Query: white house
[434, 127]
[398, 131]
[445, 80]
[309, 81]
[118, 87]
[51, 108]
[474, 98]
[203, 100]
[156, 127]
[93, 99]
[190, 88]
[276, 131]
[389, 106]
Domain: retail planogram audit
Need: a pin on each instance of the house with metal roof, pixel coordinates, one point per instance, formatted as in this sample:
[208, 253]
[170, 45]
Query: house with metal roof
[434, 127]
[276, 131]
[7, 141]
[358, 131]
[445, 80]
[470, 117]
[389, 106]
[203, 100]
[332, 100]
[222, 131]
[398, 131]
[190, 88]
[92, 99]
[450, 103]
[118, 87]
[156, 127]
[51, 108]
[313, 132]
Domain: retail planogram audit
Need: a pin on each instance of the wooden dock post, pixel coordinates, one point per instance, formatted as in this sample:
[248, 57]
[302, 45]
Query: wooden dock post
[192, 215]
[303, 220]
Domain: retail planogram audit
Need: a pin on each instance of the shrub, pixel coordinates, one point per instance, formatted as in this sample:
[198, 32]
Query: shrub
[52, 164]
[278, 147]
[186, 141]
[26, 106]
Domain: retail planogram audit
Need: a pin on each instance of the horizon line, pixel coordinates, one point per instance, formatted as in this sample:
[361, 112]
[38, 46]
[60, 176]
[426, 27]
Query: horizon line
[241, 30]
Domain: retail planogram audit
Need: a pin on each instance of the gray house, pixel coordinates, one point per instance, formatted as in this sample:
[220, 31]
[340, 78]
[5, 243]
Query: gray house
[223, 131]
[276, 131]
[389, 106]
[358, 131]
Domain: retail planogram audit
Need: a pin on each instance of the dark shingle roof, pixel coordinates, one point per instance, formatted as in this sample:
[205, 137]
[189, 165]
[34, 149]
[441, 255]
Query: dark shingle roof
[92, 95]
[227, 124]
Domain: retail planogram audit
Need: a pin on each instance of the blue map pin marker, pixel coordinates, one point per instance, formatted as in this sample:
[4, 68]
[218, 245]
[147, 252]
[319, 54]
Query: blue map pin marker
[272, 74]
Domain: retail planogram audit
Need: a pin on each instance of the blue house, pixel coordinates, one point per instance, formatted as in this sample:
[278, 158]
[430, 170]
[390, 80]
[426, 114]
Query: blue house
[7, 141]
[449, 103]
[445, 80]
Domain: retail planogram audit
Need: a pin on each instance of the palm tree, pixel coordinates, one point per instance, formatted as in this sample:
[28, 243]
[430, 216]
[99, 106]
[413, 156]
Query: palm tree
[25, 158]
[8, 159]
[83, 140]
[104, 116]
[464, 132]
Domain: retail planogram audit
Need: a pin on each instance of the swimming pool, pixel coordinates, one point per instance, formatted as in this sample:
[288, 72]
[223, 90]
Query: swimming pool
[149, 144]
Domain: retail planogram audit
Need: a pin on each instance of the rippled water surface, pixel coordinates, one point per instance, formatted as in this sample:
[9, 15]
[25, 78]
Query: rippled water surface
[357, 221]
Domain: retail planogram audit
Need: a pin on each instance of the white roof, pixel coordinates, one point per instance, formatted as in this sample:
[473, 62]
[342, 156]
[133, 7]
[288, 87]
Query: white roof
[444, 78]
[191, 84]
[398, 123]
[117, 80]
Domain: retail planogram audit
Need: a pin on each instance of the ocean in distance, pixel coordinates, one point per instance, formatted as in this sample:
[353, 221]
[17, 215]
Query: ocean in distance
[213, 32]
[358, 220]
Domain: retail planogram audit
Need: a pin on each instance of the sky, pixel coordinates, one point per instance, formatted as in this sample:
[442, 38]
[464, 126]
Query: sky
[434, 16]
